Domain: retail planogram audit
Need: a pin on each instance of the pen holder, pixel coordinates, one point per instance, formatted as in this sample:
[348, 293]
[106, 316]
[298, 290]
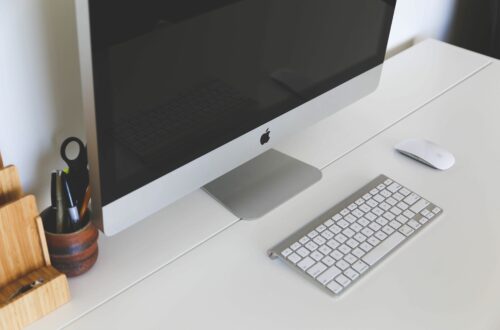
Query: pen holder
[72, 253]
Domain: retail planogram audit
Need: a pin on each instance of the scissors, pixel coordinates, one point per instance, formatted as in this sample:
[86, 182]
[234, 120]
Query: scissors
[78, 174]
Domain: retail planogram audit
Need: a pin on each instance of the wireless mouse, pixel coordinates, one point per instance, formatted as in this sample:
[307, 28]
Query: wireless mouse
[427, 153]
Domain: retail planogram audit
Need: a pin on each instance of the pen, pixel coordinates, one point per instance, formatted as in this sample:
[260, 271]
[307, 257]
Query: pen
[85, 202]
[74, 218]
[59, 208]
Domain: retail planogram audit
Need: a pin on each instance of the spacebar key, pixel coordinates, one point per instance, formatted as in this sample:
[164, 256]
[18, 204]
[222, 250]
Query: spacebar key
[385, 247]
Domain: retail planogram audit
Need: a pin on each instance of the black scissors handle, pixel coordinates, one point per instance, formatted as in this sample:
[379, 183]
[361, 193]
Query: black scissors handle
[80, 161]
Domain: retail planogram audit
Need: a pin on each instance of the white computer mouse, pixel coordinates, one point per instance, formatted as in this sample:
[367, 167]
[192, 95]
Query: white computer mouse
[426, 152]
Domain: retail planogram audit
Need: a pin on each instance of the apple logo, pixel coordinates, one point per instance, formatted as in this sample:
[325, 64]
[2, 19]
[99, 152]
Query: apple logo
[265, 137]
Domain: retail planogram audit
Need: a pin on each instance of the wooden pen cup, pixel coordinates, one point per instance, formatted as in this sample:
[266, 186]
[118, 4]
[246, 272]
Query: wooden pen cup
[72, 253]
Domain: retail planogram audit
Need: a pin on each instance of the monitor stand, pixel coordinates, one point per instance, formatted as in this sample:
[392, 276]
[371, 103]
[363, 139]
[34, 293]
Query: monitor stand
[262, 184]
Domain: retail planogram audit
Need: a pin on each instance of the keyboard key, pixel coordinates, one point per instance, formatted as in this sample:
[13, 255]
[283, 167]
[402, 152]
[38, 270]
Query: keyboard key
[303, 252]
[327, 234]
[374, 226]
[378, 198]
[286, 252]
[378, 211]
[329, 222]
[365, 208]
[358, 252]
[357, 213]
[385, 193]
[351, 218]
[394, 224]
[329, 261]
[360, 266]
[343, 280]
[363, 222]
[391, 201]
[406, 230]
[424, 212]
[408, 214]
[372, 203]
[312, 234]
[356, 227]
[344, 249]
[360, 237]
[388, 182]
[383, 248]
[340, 238]
[320, 240]
[397, 196]
[365, 246]
[382, 221]
[411, 199]
[367, 196]
[295, 246]
[404, 191]
[373, 241]
[344, 212]
[320, 228]
[419, 206]
[388, 230]
[351, 273]
[335, 229]
[352, 207]
[384, 206]
[396, 210]
[324, 249]
[374, 191]
[335, 287]
[436, 210]
[359, 201]
[367, 231]
[316, 255]
[414, 224]
[342, 223]
[311, 246]
[402, 219]
[430, 215]
[342, 264]
[389, 216]
[381, 186]
[294, 258]
[393, 187]
[370, 216]
[333, 243]
[348, 232]
[305, 263]
[352, 243]
[350, 258]
[329, 275]
[336, 217]
[304, 240]
[380, 235]
[317, 269]
[337, 255]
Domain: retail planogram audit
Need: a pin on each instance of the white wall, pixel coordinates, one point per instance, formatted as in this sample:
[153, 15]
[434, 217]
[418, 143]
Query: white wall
[39, 79]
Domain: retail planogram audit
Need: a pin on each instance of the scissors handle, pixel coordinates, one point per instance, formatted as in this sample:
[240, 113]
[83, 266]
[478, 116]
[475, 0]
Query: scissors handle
[80, 160]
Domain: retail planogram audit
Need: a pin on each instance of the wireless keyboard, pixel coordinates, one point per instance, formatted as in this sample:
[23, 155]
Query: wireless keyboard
[344, 243]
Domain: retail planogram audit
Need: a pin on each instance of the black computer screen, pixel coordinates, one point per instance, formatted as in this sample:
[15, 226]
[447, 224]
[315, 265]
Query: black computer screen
[175, 79]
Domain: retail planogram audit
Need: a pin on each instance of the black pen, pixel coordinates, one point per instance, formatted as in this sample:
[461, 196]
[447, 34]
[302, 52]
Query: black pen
[74, 217]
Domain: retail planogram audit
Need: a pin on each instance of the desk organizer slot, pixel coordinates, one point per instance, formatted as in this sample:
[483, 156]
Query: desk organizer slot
[24, 258]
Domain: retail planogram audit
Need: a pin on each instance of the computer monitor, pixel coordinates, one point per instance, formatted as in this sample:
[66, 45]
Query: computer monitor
[181, 94]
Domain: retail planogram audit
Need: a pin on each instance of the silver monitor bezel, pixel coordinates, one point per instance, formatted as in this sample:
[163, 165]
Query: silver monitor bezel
[152, 197]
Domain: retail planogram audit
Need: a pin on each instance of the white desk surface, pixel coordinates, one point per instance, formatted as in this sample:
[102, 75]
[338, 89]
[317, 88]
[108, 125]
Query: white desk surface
[447, 278]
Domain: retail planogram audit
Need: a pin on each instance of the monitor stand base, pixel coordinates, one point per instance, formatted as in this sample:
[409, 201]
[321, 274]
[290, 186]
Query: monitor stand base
[262, 184]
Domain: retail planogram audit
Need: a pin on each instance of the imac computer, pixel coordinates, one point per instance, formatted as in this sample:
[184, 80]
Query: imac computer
[184, 94]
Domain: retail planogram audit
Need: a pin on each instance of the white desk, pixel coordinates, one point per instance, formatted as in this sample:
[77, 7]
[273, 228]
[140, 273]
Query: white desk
[446, 278]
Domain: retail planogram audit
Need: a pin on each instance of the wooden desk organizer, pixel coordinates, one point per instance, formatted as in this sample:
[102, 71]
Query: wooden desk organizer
[24, 258]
